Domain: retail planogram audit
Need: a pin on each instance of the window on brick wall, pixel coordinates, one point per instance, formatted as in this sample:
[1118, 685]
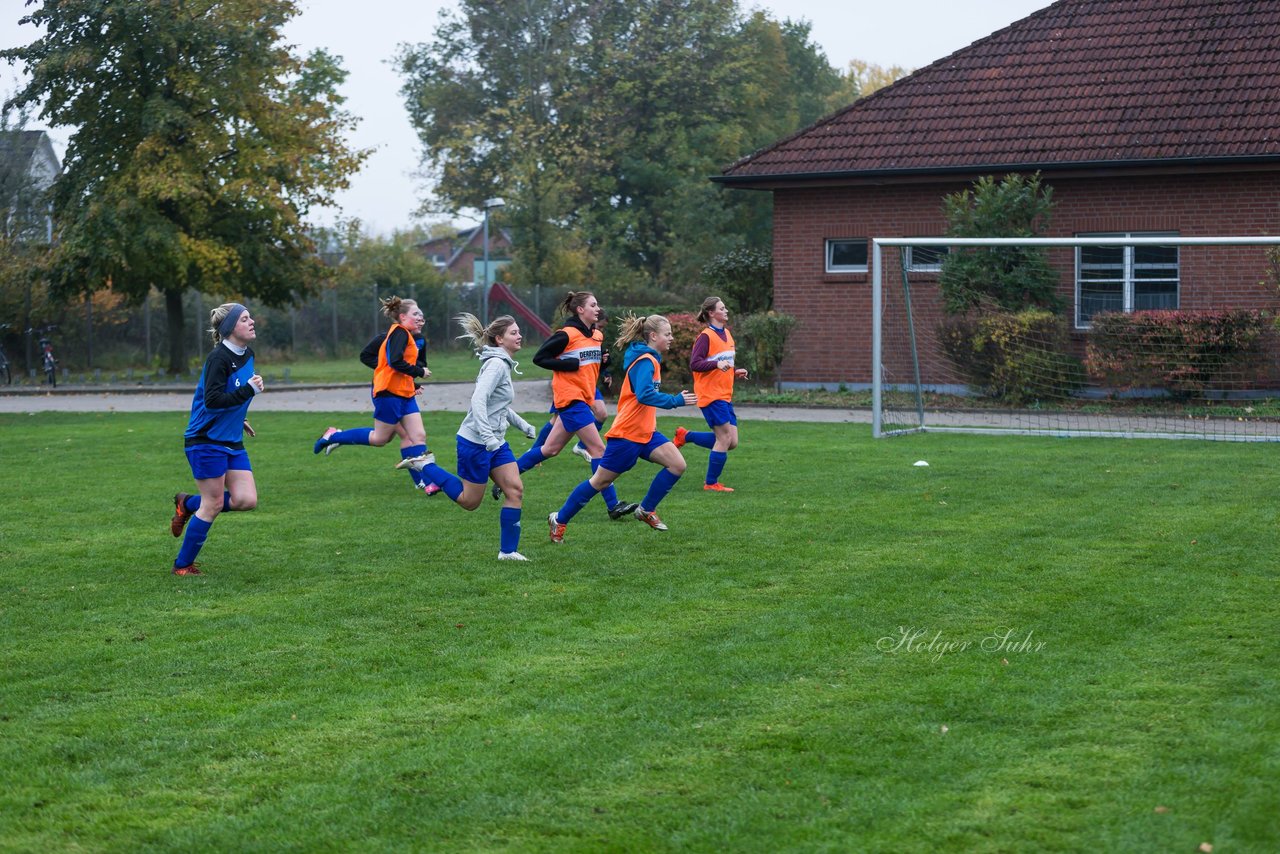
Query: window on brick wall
[1125, 278]
[847, 255]
[926, 259]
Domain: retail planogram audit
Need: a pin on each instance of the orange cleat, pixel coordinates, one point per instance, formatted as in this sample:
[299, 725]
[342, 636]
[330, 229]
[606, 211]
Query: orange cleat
[557, 530]
[681, 436]
[717, 487]
[187, 570]
[181, 515]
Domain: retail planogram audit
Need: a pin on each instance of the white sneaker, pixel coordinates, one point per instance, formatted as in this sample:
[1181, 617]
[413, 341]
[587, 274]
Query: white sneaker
[417, 463]
[582, 452]
[511, 556]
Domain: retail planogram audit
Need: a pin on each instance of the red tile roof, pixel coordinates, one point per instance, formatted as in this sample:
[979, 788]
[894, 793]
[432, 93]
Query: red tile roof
[1082, 82]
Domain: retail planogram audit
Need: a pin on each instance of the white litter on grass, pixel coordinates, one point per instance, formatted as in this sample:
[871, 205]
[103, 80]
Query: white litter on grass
[920, 463]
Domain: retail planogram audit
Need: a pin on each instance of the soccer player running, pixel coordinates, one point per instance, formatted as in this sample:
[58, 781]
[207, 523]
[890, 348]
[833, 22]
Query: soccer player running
[394, 401]
[711, 362]
[574, 354]
[369, 358]
[634, 432]
[483, 453]
[214, 436]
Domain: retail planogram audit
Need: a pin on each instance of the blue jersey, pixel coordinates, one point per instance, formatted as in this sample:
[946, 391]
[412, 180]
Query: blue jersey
[221, 399]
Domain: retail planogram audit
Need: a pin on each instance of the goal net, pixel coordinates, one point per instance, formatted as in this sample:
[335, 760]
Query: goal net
[1157, 337]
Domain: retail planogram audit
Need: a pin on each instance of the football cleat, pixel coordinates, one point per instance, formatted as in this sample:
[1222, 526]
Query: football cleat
[717, 487]
[650, 518]
[417, 463]
[623, 509]
[323, 444]
[557, 530]
[511, 556]
[181, 515]
[681, 437]
[187, 570]
[430, 489]
[582, 452]
[496, 492]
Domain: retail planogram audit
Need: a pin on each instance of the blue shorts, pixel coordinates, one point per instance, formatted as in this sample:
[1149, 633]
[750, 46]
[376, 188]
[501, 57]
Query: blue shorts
[390, 409]
[719, 412]
[475, 463]
[209, 461]
[620, 455]
[575, 416]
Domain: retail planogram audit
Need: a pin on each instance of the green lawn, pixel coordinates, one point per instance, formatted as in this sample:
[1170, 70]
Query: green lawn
[357, 672]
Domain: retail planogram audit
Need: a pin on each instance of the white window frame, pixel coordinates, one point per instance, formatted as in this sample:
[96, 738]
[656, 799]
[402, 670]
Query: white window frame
[1127, 278]
[913, 267]
[845, 268]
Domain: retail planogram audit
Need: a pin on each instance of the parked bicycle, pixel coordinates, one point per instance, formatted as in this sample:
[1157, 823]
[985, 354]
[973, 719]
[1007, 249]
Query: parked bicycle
[48, 362]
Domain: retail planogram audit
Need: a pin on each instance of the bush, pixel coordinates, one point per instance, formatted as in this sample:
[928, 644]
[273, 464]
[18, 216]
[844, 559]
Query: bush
[1016, 357]
[761, 342]
[1183, 352]
[1005, 278]
[743, 278]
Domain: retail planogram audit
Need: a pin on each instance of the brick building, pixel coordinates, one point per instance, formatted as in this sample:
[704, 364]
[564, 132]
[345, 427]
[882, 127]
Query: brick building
[1146, 117]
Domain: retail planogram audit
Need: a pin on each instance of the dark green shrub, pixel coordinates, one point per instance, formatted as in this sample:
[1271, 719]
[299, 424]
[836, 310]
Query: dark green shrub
[761, 342]
[1183, 352]
[1007, 278]
[1015, 357]
[743, 278]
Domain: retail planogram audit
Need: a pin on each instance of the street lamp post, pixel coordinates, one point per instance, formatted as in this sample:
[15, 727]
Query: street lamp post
[489, 204]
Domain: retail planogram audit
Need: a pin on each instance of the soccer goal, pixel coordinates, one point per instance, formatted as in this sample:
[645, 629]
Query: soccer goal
[1163, 337]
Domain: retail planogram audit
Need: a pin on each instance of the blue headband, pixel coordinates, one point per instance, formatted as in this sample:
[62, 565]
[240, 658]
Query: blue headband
[228, 324]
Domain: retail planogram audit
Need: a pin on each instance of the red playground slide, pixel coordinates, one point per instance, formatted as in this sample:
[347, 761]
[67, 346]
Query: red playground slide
[499, 292]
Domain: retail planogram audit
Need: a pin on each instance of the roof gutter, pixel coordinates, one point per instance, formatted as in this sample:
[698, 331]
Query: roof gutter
[1179, 165]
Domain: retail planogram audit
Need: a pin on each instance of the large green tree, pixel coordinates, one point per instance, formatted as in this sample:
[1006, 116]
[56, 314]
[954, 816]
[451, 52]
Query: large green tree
[201, 145]
[600, 123]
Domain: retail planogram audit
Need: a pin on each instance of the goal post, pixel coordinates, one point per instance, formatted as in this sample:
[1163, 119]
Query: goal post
[1178, 350]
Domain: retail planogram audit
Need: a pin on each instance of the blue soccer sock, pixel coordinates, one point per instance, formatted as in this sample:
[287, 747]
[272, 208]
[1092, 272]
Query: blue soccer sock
[662, 483]
[530, 458]
[702, 439]
[193, 502]
[509, 522]
[192, 541]
[543, 434]
[450, 483]
[414, 451]
[354, 436]
[715, 465]
[582, 493]
[609, 493]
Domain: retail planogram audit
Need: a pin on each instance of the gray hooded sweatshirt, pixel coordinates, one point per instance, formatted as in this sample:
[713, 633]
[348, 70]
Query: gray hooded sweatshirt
[491, 411]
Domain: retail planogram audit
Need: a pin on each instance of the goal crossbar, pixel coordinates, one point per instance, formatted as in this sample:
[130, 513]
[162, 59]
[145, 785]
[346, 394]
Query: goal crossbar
[877, 306]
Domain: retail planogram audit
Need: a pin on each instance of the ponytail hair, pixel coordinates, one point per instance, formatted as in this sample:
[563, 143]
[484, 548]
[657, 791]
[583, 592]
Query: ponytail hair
[639, 328]
[573, 301]
[393, 306]
[704, 315]
[482, 336]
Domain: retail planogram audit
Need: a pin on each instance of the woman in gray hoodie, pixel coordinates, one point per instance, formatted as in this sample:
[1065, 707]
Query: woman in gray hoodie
[483, 453]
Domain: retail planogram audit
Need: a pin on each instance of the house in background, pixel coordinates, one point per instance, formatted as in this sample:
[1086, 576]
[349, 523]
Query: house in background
[1146, 117]
[461, 257]
[28, 168]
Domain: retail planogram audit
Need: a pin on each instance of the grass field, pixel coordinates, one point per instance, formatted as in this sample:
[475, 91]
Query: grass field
[1029, 645]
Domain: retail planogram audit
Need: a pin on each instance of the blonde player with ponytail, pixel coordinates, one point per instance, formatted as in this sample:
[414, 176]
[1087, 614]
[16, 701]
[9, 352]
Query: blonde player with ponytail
[483, 453]
[634, 433]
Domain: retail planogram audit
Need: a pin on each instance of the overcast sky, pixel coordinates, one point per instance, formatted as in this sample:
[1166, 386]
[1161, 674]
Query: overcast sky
[909, 33]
